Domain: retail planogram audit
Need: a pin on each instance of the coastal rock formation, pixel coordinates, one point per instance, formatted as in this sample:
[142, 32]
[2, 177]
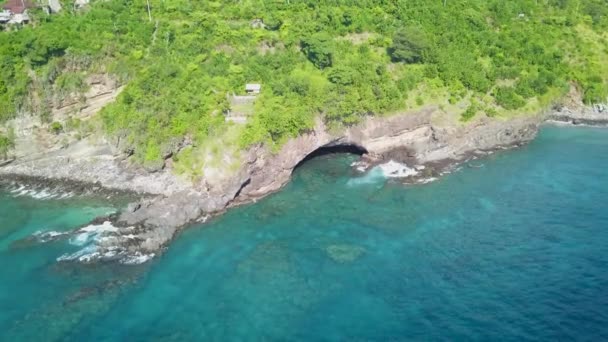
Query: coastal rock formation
[146, 227]
[40, 152]
[573, 111]
[596, 115]
[408, 137]
[414, 135]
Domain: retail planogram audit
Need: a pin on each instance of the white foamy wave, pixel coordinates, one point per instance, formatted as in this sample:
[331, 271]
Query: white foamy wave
[40, 194]
[22, 192]
[81, 239]
[92, 253]
[373, 176]
[359, 166]
[84, 255]
[98, 242]
[43, 194]
[66, 195]
[99, 228]
[203, 219]
[393, 169]
[18, 190]
[92, 233]
[427, 180]
[380, 173]
[48, 236]
[136, 259]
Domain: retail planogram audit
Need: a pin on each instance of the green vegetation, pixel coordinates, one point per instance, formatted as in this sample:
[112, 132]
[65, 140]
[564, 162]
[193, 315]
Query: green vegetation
[509, 98]
[409, 45]
[56, 127]
[342, 60]
[7, 142]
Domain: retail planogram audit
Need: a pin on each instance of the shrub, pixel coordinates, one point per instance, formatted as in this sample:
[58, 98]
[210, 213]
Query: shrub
[318, 50]
[507, 98]
[272, 23]
[342, 76]
[491, 112]
[524, 88]
[6, 144]
[409, 45]
[56, 127]
[594, 90]
[468, 114]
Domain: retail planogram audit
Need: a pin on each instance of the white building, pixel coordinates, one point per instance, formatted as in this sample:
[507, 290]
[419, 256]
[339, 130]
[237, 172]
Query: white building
[253, 88]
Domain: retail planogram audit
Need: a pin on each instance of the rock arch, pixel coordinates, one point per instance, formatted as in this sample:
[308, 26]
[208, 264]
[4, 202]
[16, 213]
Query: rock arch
[333, 148]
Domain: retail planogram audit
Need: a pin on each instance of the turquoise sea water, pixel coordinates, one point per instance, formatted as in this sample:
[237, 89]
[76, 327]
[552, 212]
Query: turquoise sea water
[514, 250]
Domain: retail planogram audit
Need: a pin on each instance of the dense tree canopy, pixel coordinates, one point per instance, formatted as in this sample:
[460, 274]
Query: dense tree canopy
[340, 59]
[409, 45]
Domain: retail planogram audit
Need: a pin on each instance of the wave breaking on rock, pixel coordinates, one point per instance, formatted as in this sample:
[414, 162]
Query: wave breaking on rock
[39, 193]
[97, 243]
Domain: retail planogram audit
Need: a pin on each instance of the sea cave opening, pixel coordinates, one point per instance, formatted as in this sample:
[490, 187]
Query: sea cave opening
[347, 148]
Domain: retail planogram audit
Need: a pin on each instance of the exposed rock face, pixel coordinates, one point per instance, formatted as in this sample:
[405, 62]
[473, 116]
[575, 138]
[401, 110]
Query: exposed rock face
[590, 115]
[409, 136]
[573, 111]
[34, 138]
[148, 226]
[426, 137]
[41, 153]
[89, 163]
[413, 133]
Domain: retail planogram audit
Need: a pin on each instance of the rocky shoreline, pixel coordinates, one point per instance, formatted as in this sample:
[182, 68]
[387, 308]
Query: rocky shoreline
[147, 226]
[59, 187]
[596, 115]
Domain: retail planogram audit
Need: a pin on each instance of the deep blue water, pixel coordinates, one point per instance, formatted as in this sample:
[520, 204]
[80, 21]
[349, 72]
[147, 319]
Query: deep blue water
[514, 250]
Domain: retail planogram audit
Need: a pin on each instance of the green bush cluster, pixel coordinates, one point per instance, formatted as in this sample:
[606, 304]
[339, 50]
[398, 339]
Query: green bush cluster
[508, 98]
[56, 127]
[7, 142]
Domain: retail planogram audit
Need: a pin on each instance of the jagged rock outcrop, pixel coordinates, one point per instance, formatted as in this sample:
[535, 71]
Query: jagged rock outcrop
[571, 110]
[596, 115]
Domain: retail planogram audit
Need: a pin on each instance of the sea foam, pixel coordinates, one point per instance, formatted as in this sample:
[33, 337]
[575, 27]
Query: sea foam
[48, 236]
[393, 169]
[92, 237]
[381, 172]
[92, 233]
[40, 193]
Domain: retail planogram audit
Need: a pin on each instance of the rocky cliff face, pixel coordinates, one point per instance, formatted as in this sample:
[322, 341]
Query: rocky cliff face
[422, 137]
[596, 115]
[414, 133]
[74, 155]
[572, 111]
[151, 224]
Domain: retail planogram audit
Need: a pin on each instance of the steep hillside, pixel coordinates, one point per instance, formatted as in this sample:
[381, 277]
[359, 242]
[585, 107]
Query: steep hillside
[181, 61]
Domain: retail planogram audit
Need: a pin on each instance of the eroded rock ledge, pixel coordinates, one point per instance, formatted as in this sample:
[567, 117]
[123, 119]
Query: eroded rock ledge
[147, 226]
